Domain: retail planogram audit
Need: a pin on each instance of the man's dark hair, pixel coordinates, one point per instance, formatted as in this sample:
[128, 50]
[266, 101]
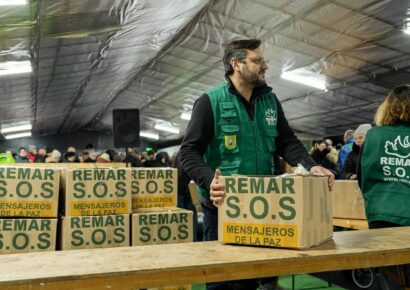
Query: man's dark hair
[237, 49]
[22, 148]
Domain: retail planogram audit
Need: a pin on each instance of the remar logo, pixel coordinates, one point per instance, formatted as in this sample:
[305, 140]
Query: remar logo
[271, 117]
[399, 147]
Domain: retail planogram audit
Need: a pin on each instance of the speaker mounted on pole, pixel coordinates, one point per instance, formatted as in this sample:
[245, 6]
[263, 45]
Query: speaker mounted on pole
[126, 125]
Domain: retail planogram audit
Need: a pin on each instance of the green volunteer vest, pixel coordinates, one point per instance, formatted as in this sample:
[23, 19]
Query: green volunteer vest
[386, 174]
[241, 145]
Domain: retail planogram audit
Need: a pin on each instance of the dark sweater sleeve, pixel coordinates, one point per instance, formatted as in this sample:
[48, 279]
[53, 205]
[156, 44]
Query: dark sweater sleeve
[288, 145]
[349, 168]
[198, 135]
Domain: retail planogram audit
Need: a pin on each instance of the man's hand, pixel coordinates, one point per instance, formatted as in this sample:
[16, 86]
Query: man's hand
[323, 171]
[217, 191]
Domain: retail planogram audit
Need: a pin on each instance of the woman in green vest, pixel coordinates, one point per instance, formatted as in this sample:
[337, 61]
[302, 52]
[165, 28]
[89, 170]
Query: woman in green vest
[384, 165]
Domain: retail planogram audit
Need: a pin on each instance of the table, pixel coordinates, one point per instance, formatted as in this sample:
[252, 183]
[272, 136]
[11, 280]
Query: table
[179, 264]
[353, 224]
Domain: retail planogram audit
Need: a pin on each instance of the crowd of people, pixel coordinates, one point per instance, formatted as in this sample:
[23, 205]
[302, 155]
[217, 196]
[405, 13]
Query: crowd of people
[341, 160]
[43, 154]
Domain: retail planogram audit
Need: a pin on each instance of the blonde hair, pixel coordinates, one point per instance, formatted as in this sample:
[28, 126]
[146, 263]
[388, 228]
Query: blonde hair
[396, 107]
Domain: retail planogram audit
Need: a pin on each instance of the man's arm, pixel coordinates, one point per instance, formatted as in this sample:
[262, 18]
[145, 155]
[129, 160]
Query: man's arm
[293, 151]
[288, 145]
[198, 135]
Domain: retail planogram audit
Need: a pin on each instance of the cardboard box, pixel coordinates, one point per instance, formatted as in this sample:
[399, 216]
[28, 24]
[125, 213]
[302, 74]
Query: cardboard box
[288, 212]
[28, 192]
[154, 187]
[22, 235]
[161, 226]
[89, 232]
[96, 191]
[185, 287]
[347, 200]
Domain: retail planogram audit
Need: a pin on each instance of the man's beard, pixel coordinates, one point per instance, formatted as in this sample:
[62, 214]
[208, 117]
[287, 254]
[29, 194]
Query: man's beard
[252, 78]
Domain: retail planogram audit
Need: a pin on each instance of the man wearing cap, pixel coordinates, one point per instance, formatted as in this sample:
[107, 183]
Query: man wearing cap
[350, 167]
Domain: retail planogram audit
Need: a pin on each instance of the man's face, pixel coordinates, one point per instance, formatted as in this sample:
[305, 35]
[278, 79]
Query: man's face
[253, 68]
[23, 153]
[359, 139]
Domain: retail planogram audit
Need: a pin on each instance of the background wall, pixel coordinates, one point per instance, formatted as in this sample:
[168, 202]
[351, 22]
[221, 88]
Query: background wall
[78, 139]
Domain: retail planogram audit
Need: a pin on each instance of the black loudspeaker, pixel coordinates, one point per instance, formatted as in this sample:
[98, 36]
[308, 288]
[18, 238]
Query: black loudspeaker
[126, 123]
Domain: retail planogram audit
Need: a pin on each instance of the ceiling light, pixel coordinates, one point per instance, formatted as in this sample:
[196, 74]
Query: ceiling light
[305, 77]
[15, 67]
[407, 30]
[12, 2]
[17, 128]
[186, 115]
[166, 128]
[149, 135]
[18, 135]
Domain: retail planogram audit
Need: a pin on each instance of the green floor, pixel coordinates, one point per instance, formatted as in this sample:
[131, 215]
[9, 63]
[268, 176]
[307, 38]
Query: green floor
[302, 282]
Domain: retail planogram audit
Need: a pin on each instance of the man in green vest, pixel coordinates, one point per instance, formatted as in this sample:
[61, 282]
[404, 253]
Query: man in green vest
[238, 127]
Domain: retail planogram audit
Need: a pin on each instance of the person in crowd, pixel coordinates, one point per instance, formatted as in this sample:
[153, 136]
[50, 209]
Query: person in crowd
[55, 157]
[149, 159]
[347, 148]
[239, 127]
[132, 158]
[90, 156]
[329, 142]
[384, 166]
[162, 159]
[21, 156]
[103, 158]
[70, 157]
[71, 149]
[350, 167]
[6, 158]
[81, 157]
[32, 153]
[41, 155]
[326, 156]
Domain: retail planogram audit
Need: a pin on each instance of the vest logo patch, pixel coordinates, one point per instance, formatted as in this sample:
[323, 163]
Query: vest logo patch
[271, 117]
[230, 141]
[392, 148]
[395, 164]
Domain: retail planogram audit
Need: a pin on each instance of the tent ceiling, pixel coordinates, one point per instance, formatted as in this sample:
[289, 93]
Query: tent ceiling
[90, 57]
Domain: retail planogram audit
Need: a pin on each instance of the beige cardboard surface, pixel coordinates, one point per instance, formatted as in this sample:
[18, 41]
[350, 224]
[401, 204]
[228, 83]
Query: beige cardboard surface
[89, 232]
[28, 192]
[347, 200]
[22, 235]
[154, 187]
[161, 226]
[97, 191]
[289, 212]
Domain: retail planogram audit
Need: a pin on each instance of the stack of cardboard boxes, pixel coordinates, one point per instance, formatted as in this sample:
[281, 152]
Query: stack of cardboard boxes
[97, 204]
[155, 218]
[28, 209]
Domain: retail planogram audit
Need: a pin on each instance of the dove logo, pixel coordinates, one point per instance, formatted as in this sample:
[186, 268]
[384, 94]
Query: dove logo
[271, 117]
[396, 163]
[399, 147]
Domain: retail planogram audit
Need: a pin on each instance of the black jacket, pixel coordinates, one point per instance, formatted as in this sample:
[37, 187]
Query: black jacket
[200, 132]
[352, 160]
